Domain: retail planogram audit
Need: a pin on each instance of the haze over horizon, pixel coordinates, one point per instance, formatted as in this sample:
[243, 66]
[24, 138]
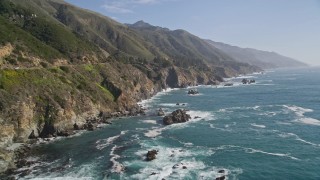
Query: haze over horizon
[288, 27]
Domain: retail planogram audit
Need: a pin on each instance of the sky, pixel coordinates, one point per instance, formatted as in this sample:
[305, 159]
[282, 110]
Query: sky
[289, 27]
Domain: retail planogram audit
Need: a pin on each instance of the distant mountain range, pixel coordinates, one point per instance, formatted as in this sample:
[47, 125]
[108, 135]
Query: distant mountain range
[263, 59]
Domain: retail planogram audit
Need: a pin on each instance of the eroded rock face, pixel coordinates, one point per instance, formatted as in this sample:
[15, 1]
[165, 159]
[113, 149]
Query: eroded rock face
[6, 155]
[178, 116]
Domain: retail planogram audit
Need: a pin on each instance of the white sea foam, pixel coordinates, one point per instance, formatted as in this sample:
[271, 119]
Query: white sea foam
[284, 123]
[296, 137]
[257, 84]
[173, 104]
[251, 150]
[309, 121]
[223, 110]
[269, 114]
[213, 173]
[14, 146]
[171, 163]
[64, 178]
[153, 132]
[149, 121]
[188, 144]
[258, 125]
[200, 115]
[103, 143]
[117, 167]
[226, 129]
[300, 113]
[244, 108]
[147, 103]
[84, 172]
[245, 77]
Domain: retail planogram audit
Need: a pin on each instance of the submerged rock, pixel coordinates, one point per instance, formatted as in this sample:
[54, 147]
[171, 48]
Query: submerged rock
[178, 116]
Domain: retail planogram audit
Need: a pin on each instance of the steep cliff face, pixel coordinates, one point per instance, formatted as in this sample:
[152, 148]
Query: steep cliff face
[181, 78]
[47, 101]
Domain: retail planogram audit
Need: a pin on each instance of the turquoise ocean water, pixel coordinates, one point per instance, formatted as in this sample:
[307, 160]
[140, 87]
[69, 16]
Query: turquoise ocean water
[267, 130]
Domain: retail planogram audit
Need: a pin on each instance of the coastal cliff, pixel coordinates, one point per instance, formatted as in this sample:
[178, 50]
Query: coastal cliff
[59, 97]
[57, 74]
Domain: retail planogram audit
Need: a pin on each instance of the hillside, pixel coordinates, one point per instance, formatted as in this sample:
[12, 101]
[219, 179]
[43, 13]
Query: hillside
[61, 65]
[263, 59]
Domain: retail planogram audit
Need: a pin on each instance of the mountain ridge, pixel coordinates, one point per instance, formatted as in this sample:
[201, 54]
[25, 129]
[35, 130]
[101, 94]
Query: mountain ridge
[263, 59]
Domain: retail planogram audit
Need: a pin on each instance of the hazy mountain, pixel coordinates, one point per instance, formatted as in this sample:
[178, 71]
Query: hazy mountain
[263, 59]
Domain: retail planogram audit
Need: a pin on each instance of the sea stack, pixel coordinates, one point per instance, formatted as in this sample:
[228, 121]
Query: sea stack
[177, 116]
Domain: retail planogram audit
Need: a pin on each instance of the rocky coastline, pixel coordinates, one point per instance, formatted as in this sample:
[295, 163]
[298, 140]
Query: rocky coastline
[14, 157]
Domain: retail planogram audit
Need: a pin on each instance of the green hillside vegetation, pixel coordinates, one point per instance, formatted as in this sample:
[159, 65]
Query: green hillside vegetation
[41, 35]
[25, 41]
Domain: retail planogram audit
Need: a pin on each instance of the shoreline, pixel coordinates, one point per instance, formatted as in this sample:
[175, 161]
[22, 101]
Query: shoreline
[24, 148]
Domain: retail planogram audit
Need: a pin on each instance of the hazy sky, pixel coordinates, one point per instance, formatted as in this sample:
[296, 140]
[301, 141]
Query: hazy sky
[289, 27]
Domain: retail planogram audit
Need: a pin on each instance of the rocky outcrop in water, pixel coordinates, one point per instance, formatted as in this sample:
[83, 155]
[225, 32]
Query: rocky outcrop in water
[248, 81]
[160, 112]
[151, 155]
[178, 116]
[193, 92]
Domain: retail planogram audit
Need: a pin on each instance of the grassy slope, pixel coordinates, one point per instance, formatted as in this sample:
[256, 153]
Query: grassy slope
[42, 35]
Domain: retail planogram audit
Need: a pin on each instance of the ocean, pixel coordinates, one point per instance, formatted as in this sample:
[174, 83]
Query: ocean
[266, 130]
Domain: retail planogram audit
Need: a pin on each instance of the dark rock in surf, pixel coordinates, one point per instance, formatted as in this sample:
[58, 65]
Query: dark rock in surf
[228, 84]
[151, 155]
[178, 116]
[221, 178]
[90, 126]
[63, 133]
[193, 92]
[221, 171]
[160, 112]
[176, 166]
